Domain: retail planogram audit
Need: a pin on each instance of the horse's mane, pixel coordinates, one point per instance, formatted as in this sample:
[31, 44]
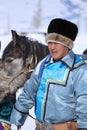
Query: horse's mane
[25, 47]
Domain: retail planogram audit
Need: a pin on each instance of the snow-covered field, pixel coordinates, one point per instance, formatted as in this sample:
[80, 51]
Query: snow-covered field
[79, 45]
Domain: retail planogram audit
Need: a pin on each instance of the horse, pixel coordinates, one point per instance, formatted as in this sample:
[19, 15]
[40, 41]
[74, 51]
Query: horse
[19, 59]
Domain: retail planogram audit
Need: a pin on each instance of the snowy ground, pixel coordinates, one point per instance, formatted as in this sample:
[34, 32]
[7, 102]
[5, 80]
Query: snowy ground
[80, 45]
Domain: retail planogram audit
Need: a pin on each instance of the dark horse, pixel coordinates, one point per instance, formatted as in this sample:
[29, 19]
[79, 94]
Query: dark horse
[19, 59]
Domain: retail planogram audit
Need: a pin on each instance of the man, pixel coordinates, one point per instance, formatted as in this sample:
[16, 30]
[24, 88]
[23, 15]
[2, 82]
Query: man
[58, 86]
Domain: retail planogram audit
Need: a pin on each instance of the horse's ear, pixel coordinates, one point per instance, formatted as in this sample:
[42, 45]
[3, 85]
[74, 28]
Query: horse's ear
[14, 36]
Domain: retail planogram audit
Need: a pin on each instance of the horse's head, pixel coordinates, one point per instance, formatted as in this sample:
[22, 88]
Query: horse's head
[18, 60]
[14, 67]
[14, 54]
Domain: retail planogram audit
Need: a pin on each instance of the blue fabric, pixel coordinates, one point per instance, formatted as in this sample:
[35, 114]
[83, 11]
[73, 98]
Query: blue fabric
[62, 98]
[42, 66]
[55, 73]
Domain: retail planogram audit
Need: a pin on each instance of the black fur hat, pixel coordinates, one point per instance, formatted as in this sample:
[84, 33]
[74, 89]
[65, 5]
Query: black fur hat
[63, 27]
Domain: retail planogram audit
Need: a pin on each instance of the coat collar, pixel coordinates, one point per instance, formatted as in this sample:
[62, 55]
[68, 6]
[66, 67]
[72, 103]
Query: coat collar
[68, 59]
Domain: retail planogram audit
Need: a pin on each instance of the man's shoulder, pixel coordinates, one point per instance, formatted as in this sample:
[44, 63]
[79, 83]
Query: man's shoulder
[80, 60]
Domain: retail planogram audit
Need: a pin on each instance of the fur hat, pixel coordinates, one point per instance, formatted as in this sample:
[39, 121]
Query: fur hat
[62, 31]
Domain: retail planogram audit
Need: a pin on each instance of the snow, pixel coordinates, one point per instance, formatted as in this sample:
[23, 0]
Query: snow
[20, 14]
[5, 39]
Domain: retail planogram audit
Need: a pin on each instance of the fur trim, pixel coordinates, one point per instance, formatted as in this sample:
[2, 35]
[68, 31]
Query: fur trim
[63, 27]
[57, 38]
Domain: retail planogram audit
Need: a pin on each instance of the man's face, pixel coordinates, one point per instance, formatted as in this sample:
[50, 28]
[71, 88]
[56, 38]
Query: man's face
[57, 51]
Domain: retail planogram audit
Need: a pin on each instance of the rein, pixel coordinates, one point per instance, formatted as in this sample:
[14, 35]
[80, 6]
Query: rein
[19, 127]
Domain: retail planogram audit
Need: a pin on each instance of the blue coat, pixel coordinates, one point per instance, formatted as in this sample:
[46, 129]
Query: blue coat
[59, 94]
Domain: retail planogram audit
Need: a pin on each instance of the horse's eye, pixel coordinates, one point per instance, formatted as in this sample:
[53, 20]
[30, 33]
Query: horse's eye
[9, 60]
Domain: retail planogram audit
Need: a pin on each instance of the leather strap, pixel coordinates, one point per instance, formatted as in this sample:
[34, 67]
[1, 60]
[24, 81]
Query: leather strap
[69, 125]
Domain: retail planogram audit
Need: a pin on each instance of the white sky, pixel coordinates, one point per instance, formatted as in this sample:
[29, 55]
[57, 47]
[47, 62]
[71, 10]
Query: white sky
[18, 14]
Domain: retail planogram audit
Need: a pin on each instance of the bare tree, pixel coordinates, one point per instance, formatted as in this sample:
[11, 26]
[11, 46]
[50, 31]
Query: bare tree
[36, 21]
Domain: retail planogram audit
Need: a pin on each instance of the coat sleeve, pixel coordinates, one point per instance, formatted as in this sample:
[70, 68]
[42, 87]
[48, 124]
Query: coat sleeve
[17, 118]
[80, 84]
[25, 101]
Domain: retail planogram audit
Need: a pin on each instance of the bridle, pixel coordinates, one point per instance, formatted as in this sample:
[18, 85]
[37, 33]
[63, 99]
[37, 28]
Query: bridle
[10, 79]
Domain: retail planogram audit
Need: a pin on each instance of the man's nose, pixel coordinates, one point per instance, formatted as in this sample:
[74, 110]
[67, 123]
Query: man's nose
[52, 45]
